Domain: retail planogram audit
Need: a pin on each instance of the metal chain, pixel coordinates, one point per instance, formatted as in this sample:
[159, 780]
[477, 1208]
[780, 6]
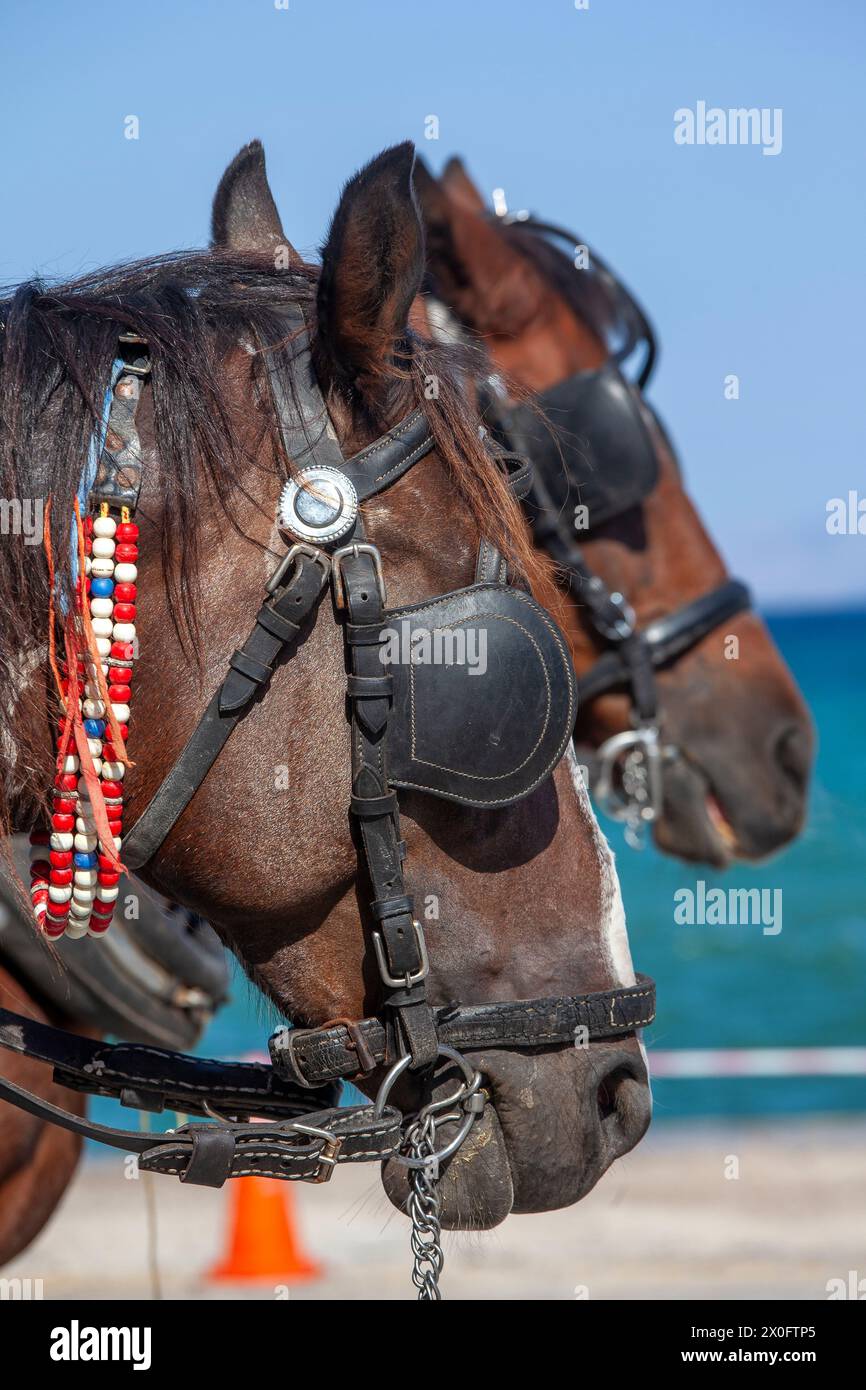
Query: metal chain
[423, 1207]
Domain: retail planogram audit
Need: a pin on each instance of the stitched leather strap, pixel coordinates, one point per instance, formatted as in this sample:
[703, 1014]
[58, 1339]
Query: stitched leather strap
[310, 1056]
[154, 1078]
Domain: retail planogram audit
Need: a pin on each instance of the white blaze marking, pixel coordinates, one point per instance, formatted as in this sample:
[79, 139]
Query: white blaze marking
[614, 934]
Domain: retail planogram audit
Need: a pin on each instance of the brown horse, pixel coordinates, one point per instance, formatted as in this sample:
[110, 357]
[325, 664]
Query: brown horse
[735, 787]
[526, 898]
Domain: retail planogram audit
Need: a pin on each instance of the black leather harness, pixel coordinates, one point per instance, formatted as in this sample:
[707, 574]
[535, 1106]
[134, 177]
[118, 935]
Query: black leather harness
[490, 752]
[591, 449]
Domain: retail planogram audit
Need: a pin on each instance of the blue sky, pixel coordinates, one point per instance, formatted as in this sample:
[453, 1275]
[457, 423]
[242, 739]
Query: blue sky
[749, 264]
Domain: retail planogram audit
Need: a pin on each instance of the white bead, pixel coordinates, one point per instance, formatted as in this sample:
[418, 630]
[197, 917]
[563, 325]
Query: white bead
[101, 567]
[101, 607]
[113, 772]
[60, 840]
[92, 709]
[104, 526]
[70, 763]
[103, 627]
[125, 573]
[92, 691]
[123, 632]
[107, 895]
[121, 713]
[83, 792]
[77, 932]
[103, 548]
[86, 878]
[117, 843]
[85, 825]
[84, 896]
[95, 746]
[85, 843]
[60, 892]
[80, 910]
[88, 565]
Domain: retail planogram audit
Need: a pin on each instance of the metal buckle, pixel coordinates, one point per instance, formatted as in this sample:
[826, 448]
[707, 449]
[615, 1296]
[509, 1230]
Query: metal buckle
[288, 560]
[412, 977]
[327, 1159]
[640, 800]
[354, 550]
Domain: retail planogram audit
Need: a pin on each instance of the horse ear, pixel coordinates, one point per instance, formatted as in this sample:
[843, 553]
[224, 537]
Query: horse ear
[372, 265]
[489, 285]
[458, 184]
[244, 216]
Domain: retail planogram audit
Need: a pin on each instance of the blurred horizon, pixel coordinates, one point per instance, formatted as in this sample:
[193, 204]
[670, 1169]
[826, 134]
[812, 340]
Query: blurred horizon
[744, 262]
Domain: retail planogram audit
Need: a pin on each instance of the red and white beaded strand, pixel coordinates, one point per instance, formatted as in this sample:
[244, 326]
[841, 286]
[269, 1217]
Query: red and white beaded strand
[74, 888]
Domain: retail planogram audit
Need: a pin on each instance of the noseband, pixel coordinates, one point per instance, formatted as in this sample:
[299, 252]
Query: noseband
[593, 460]
[423, 726]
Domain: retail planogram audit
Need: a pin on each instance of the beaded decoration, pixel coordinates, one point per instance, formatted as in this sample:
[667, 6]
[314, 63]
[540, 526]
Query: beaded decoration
[74, 888]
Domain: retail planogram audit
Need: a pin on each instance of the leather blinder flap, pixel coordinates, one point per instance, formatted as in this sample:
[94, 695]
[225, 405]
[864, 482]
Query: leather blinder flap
[484, 696]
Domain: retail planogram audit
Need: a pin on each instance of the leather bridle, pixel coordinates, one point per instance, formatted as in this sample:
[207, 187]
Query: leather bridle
[290, 1140]
[625, 772]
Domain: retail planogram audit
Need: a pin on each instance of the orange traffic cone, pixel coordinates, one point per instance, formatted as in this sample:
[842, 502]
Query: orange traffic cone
[263, 1241]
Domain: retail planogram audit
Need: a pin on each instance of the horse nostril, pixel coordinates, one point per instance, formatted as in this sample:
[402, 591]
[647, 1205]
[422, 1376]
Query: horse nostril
[793, 753]
[608, 1090]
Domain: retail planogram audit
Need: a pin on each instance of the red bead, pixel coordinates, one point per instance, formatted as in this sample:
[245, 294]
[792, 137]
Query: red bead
[108, 878]
[106, 865]
[103, 910]
[61, 877]
[124, 731]
[122, 651]
[40, 868]
[39, 837]
[126, 553]
[39, 895]
[65, 806]
[99, 926]
[125, 592]
[124, 613]
[67, 781]
[127, 531]
[120, 675]
[63, 824]
[60, 858]
[112, 789]
[120, 694]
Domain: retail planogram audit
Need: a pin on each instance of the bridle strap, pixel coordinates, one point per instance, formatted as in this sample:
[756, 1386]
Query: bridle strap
[311, 1056]
[397, 937]
[279, 621]
[666, 639]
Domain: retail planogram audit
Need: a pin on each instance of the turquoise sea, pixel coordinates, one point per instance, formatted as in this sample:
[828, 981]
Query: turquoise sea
[733, 986]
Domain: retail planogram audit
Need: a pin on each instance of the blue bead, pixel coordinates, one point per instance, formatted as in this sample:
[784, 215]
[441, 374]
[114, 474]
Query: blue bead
[101, 588]
[94, 728]
[85, 861]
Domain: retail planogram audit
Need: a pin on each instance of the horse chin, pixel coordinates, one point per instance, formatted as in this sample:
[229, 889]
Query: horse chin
[692, 825]
[554, 1123]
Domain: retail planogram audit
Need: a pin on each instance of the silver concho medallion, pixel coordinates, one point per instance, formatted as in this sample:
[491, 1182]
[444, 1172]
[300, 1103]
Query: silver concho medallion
[320, 505]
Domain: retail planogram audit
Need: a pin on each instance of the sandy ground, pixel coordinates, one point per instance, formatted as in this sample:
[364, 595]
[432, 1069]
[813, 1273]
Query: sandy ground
[665, 1222]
